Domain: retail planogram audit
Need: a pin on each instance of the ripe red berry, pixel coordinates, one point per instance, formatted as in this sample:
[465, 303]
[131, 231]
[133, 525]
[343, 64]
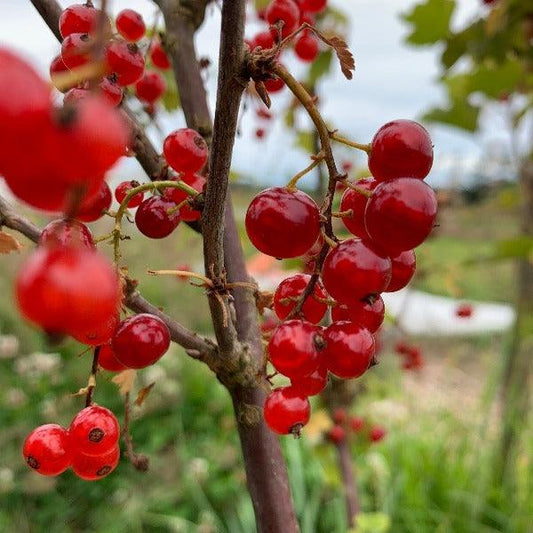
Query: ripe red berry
[66, 232]
[67, 289]
[155, 218]
[401, 148]
[140, 340]
[108, 361]
[126, 61]
[400, 214]
[294, 348]
[185, 150]
[158, 56]
[340, 416]
[368, 313]
[76, 50]
[356, 423]
[47, 450]
[111, 90]
[57, 67]
[122, 191]
[286, 11]
[288, 292]
[403, 268]
[464, 310]
[274, 85]
[78, 18]
[354, 270]
[306, 47]
[264, 40]
[377, 433]
[263, 113]
[197, 182]
[94, 431]
[150, 87]
[286, 411]
[356, 202]
[259, 133]
[74, 95]
[92, 468]
[336, 434]
[349, 349]
[97, 334]
[95, 206]
[130, 25]
[314, 6]
[282, 223]
[313, 383]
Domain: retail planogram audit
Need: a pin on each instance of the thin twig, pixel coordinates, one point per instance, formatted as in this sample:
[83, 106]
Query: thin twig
[92, 378]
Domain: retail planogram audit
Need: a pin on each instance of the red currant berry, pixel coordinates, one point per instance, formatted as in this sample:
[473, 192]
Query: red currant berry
[75, 95]
[158, 56]
[294, 348]
[264, 113]
[315, 6]
[126, 61]
[286, 411]
[140, 341]
[155, 217]
[57, 67]
[94, 431]
[264, 40]
[401, 148]
[197, 182]
[95, 206]
[108, 361]
[92, 468]
[403, 269]
[76, 50]
[286, 11]
[47, 450]
[377, 433]
[349, 349]
[66, 232]
[368, 313]
[336, 434]
[67, 289]
[78, 18]
[130, 25]
[464, 310]
[400, 214]
[97, 334]
[354, 270]
[122, 191]
[282, 223]
[274, 85]
[260, 133]
[111, 90]
[289, 291]
[306, 47]
[356, 423]
[340, 416]
[185, 150]
[356, 202]
[150, 87]
[313, 383]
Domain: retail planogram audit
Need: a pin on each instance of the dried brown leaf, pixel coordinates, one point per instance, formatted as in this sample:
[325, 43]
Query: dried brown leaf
[124, 380]
[143, 394]
[343, 53]
[8, 243]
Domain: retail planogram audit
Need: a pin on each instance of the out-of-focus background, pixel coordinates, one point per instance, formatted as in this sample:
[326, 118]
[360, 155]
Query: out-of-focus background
[439, 466]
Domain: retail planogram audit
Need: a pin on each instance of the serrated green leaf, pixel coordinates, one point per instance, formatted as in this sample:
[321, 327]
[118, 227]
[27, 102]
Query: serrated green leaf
[320, 67]
[494, 79]
[430, 21]
[460, 114]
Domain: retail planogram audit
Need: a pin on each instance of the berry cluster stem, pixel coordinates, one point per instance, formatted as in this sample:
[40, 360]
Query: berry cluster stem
[92, 377]
[317, 159]
[364, 147]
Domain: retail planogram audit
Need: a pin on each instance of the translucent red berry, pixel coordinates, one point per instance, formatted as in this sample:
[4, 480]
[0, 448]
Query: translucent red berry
[92, 468]
[368, 313]
[356, 202]
[263, 39]
[122, 191]
[126, 61]
[108, 361]
[111, 90]
[286, 11]
[98, 333]
[356, 423]
[314, 6]
[76, 50]
[313, 383]
[401, 148]
[403, 269]
[288, 292]
[197, 182]
[377, 433]
[78, 18]
[400, 214]
[282, 223]
[185, 150]
[286, 411]
[150, 87]
[158, 56]
[274, 85]
[66, 232]
[156, 217]
[47, 450]
[306, 47]
[57, 67]
[130, 25]
[464, 310]
[349, 349]
[94, 431]
[355, 269]
[337, 434]
[94, 207]
[140, 340]
[340, 416]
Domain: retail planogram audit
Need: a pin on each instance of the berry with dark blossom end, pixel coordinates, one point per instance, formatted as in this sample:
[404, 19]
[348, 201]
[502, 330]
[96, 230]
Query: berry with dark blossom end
[197, 182]
[314, 6]
[313, 383]
[94, 431]
[288, 292]
[92, 468]
[400, 148]
[76, 50]
[141, 340]
[400, 214]
[355, 269]
[122, 190]
[158, 56]
[185, 150]
[377, 433]
[97, 334]
[306, 47]
[337, 434]
[286, 11]
[286, 411]
[78, 18]
[126, 61]
[368, 313]
[47, 450]
[130, 25]
[108, 361]
[111, 90]
[150, 87]
[65, 232]
[95, 206]
[403, 268]
[294, 348]
[349, 349]
[156, 218]
[355, 202]
[282, 223]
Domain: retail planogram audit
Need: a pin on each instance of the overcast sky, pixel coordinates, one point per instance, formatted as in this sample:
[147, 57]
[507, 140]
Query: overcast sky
[391, 81]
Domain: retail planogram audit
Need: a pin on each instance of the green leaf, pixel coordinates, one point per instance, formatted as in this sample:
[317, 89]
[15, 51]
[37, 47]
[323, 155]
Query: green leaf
[459, 114]
[518, 248]
[261, 4]
[430, 21]
[171, 99]
[320, 67]
[494, 79]
[305, 141]
[372, 523]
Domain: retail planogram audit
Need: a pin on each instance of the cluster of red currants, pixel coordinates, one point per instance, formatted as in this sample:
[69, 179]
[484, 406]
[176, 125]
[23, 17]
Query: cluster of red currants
[389, 215]
[89, 446]
[464, 310]
[345, 425]
[412, 358]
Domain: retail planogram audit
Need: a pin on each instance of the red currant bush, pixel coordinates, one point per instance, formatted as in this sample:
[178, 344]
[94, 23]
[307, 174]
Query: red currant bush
[286, 411]
[92, 468]
[47, 450]
[130, 25]
[185, 150]
[156, 217]
[94, 431]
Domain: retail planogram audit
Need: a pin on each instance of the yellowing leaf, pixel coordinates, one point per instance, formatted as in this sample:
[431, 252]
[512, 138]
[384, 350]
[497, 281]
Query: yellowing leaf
[8, 243]
[124, 380]
[143, 394]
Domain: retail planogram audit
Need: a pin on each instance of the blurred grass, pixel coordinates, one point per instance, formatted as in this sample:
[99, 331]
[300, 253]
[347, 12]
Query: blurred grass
[433, 472]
